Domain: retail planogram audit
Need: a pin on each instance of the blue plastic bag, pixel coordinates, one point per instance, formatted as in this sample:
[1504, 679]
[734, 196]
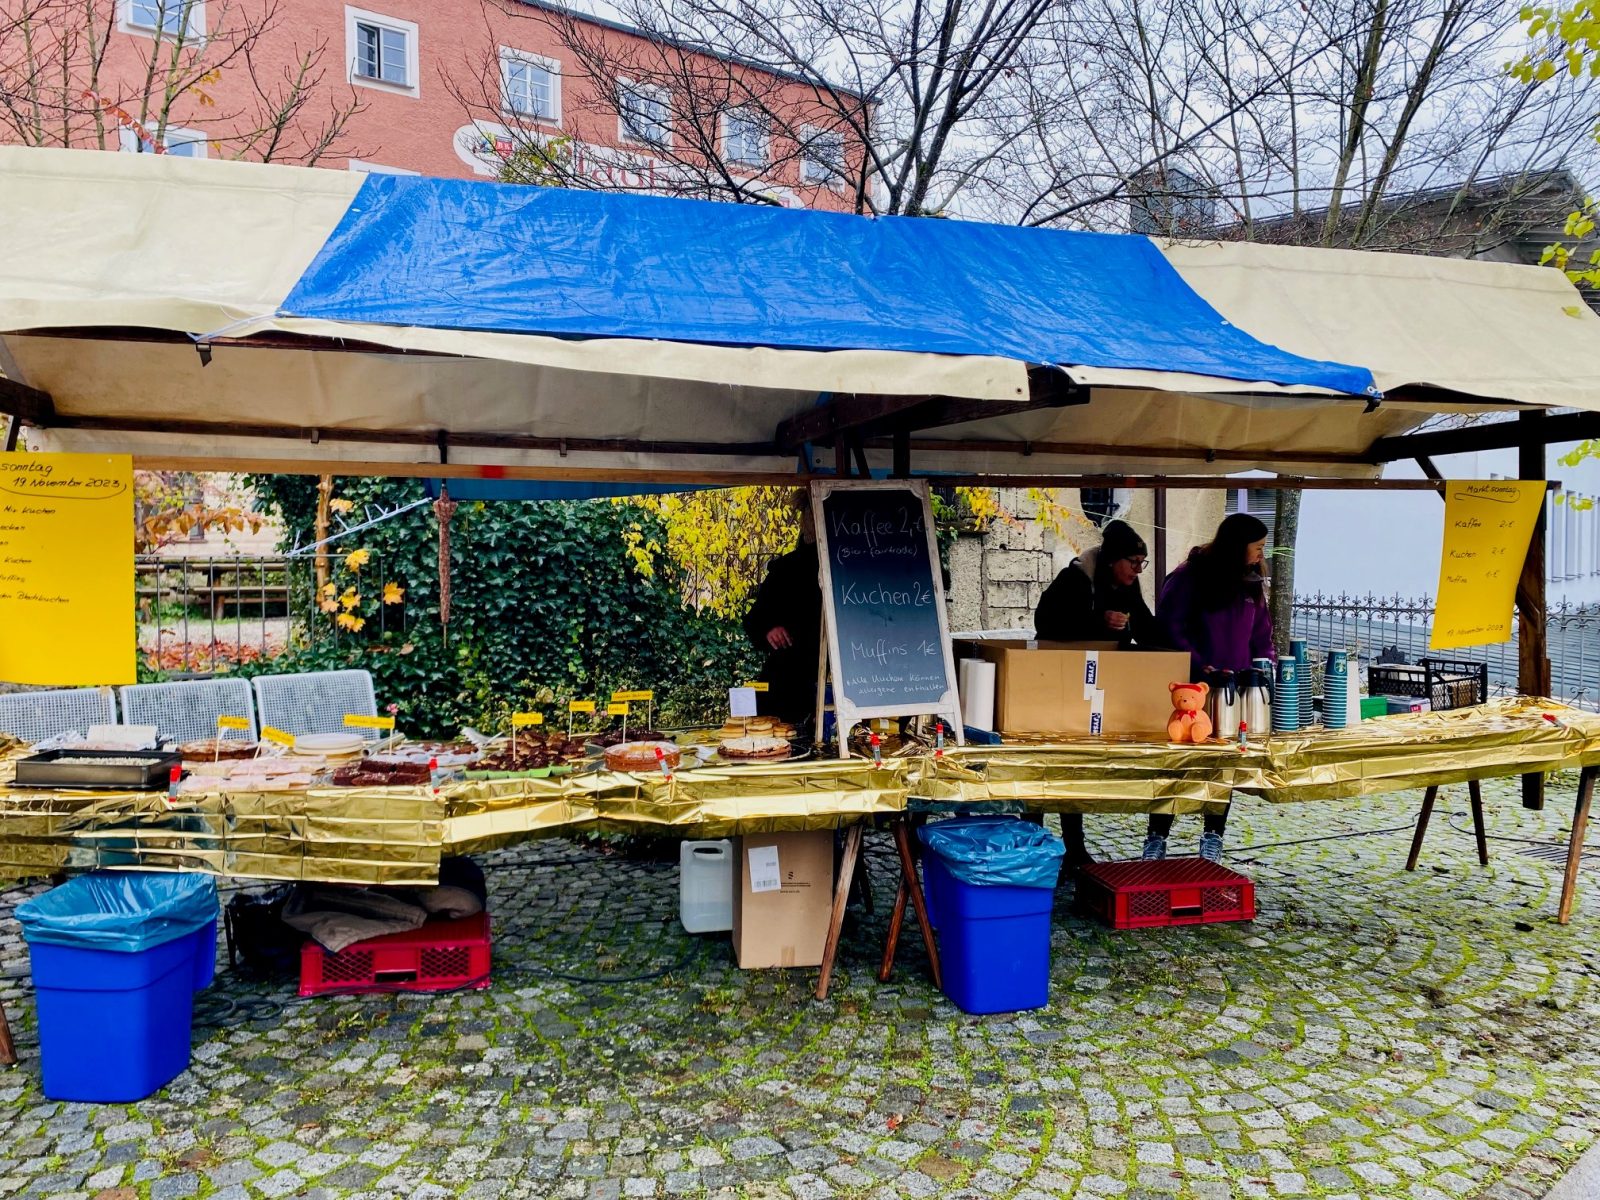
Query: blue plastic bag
[126, 911]
[996, 851]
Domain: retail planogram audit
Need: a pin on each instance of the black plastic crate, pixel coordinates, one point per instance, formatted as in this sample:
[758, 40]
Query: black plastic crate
[1444, 682]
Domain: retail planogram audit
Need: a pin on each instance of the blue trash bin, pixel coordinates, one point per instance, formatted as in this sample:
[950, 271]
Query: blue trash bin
[991, 883]
[115, 969]
[205, 954]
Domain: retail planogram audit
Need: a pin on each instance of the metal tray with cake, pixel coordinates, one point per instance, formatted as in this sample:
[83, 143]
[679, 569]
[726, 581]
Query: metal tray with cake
[114, 770]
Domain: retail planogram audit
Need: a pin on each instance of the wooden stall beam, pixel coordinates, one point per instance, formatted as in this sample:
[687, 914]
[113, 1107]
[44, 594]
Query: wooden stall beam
[28, 404]
[1495, 435]
[1533, 633]
[837, 415]
[1580, 830]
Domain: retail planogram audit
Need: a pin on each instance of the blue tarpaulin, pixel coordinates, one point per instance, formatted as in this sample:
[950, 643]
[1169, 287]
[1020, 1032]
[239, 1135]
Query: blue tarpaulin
[457, 254]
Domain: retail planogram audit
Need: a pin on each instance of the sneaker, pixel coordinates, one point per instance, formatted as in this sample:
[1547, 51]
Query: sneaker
[1155, 847]
[1211, 847]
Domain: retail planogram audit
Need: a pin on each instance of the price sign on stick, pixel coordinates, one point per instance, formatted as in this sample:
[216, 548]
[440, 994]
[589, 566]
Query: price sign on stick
[1487, 527]
[361, 721]
[646, 696]
[521, 720]
[278, 736]
[233, 722]
[577, 706]
[619, 708]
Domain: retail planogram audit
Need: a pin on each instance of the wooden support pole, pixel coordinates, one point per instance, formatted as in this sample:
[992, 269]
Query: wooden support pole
[1580, 829]
[841, 898]
[1533, 647]
[13, 432]
[1160, 548]
[902, 455]
[1428, 797]
[1475, 792]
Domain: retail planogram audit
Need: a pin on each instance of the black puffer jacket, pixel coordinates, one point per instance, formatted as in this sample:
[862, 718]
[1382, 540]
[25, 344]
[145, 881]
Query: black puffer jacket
[1073, 608]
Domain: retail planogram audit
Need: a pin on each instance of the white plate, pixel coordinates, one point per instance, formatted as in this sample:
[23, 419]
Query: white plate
[328, 743]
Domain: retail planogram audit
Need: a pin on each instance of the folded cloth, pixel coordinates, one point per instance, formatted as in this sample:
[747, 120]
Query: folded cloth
[448, 903]
[336, 917]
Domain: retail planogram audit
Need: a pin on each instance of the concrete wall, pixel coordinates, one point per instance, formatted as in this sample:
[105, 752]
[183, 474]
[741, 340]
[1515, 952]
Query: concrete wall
[997, 577]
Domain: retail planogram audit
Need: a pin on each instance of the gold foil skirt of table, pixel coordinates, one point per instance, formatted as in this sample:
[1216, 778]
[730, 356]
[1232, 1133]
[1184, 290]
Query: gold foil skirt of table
[396, 835]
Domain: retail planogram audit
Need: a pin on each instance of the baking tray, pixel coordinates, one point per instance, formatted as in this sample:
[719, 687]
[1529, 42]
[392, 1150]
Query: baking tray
[132, 770]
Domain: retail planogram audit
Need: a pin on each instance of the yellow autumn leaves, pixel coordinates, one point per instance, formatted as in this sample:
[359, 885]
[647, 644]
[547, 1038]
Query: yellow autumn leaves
[343, 605]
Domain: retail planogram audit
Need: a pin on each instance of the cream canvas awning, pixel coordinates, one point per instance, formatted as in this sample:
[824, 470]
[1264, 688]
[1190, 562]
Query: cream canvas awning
[221, 315]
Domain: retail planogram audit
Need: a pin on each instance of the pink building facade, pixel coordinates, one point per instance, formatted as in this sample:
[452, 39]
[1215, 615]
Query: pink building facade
[447, 88]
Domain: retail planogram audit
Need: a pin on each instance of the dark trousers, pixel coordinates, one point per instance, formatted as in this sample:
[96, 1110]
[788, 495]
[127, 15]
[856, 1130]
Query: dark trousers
[1161, 823]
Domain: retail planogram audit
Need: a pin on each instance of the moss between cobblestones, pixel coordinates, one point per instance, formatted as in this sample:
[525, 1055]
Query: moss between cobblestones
[1432, 1029]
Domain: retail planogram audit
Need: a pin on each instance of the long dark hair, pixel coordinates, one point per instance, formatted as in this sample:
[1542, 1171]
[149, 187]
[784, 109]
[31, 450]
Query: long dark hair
[1219, 569]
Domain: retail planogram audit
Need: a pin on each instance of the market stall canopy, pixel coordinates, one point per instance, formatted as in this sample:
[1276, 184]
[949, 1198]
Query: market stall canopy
[285, 318]
[1483, 331]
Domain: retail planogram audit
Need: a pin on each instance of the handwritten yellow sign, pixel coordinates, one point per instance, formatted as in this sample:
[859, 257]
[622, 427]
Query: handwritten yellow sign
[66, 569]
[357, 721]
[578, 706]
[233, 722]
[643, 696]
[756, 685]
[617, 710]
[1487, 526]
[520, 720]
[270, 733]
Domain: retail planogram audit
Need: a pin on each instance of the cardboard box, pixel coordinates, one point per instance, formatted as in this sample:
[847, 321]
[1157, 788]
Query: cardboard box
[784, 899]
[1049, 687]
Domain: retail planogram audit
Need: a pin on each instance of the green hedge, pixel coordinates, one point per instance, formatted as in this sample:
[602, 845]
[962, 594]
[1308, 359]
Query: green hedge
[546, 607]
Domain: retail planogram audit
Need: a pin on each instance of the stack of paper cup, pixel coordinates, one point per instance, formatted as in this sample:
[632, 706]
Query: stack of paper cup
[977, 693]
[1286, 697]
[1336, 689]
[1301, 649]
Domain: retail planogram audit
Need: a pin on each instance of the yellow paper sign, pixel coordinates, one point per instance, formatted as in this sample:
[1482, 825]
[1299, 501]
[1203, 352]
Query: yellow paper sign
[756, 685]
[1487, 526]
[581, 706]
[233, 722]
[519, 720]
[617, 710]
[66, 569]
[357, 721]
[270, 734]
[645, 696]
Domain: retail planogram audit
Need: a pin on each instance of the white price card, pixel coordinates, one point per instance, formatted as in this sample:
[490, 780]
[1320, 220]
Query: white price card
[742, 701]
[764, 875]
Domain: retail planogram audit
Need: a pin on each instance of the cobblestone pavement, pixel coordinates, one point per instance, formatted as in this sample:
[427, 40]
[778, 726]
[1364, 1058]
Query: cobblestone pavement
[1373, 1034]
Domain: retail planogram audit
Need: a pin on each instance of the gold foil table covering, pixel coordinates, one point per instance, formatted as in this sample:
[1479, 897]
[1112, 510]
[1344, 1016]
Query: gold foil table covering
[396, 835]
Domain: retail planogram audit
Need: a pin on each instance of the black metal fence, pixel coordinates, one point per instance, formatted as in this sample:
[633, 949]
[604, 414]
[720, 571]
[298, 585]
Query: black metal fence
[1370, 625]
[197, 616]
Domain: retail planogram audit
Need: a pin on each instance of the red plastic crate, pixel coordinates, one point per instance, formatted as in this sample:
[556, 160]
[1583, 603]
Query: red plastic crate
[1171, 891]
[441, 956]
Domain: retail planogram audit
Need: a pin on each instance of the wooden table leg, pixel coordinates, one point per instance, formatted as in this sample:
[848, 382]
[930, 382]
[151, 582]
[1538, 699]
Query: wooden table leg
[891, 941]
[8, 1051]
[1580, 829]
[1428, 797]
[841, 898]
[1475, 790]
[908, 877]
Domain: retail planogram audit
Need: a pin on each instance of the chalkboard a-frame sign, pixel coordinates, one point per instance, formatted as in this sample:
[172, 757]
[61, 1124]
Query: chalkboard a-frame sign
[887, 638]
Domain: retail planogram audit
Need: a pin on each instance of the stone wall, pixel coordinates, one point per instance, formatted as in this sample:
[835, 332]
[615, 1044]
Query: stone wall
[997, 577]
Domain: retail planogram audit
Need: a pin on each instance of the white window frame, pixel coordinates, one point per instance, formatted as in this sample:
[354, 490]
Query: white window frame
[128, 140]
[355, 17]
[196, 23]
[550, 66]
[625, 136]
[747, 116]
[363, 167]
[813, 170]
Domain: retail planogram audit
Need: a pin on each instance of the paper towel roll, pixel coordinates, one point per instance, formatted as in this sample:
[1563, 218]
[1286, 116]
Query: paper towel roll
[977, 696]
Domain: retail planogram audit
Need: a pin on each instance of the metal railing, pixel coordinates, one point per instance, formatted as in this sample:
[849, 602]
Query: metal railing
[199, 616]
[1370, 625]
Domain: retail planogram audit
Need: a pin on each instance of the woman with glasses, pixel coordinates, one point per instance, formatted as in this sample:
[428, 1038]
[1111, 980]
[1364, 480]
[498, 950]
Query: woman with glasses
[1097, 599]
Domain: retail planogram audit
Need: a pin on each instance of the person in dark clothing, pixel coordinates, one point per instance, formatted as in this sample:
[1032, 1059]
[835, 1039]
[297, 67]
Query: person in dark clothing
[786, 622]
[1214, 605]
[1097, 599]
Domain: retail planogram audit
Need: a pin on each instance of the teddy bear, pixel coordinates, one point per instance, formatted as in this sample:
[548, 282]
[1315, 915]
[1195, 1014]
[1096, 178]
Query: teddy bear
[1189, 722]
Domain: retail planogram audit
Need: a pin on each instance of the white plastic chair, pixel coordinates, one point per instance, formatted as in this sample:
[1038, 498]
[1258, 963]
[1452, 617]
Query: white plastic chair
[34, 716]
[188, 712]
[316, 701]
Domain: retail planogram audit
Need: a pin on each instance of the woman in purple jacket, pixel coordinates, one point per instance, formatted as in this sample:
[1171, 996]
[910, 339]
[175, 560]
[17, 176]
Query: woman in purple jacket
[1215, 607]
